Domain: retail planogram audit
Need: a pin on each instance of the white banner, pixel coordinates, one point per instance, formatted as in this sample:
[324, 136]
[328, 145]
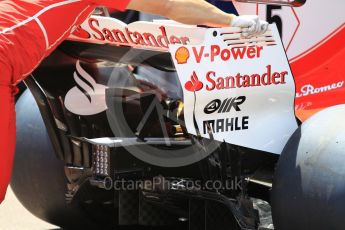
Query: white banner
[238, 90]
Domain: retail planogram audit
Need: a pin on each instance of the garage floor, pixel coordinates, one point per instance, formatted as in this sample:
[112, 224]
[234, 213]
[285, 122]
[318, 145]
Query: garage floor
[13, 216]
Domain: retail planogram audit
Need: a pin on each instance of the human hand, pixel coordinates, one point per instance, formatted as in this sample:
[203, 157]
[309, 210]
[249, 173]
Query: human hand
[251, 25]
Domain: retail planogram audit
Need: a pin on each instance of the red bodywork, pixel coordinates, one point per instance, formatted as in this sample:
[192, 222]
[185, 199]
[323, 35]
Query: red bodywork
[323, 69]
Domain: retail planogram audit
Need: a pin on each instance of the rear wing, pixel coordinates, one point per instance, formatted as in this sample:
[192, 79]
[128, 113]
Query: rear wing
[156, 35]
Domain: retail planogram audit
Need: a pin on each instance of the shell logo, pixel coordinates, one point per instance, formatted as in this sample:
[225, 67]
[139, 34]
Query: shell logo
[182, 55]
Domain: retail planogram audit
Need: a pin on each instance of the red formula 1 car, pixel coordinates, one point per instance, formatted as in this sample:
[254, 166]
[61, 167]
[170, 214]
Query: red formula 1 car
[104, 127]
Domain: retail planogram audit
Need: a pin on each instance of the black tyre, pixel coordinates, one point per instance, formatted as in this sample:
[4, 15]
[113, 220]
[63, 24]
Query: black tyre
[309, 184]
[38, 178]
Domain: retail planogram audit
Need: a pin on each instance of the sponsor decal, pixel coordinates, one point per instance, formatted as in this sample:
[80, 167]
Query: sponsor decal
[194, 84]
[237, 90]
[215, 52]
[239, 80]
[309, 89]
[225, 124]
[108, 30]
[182, 55]
[87, 97]
[224, 106]
[214, 82]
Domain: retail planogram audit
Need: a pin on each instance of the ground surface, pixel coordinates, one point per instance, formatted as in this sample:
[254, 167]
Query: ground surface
[13, 216]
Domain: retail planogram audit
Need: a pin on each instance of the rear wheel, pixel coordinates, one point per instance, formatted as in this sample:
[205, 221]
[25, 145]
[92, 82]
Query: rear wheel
[38, 178]
[309, 184]
[40, 184]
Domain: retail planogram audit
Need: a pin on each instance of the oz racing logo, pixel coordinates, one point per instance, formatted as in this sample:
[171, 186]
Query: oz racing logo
[224, 106]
